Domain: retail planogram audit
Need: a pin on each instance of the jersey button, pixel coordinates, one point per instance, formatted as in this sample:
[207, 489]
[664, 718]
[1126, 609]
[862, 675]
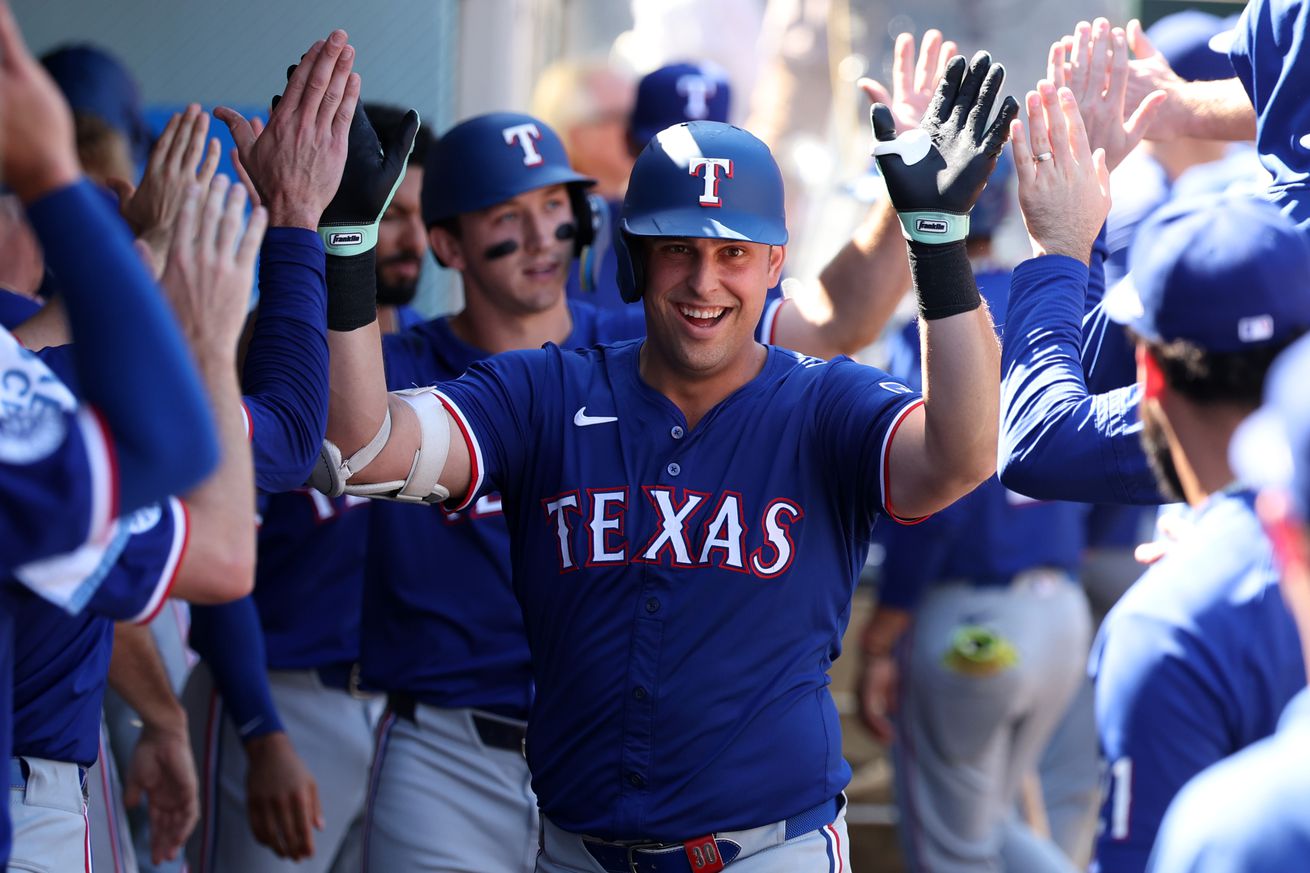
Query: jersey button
[674, 469]
[677, 432]
[652, 605]
[636, 780]
[639, 693]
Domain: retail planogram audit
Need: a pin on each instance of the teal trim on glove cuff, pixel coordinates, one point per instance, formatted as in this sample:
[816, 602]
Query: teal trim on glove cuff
[934, 228]
[346, 240]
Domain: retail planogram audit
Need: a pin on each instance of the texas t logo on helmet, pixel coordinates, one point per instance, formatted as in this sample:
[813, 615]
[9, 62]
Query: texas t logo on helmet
[710, 197]
[675, 178]
[524, 134]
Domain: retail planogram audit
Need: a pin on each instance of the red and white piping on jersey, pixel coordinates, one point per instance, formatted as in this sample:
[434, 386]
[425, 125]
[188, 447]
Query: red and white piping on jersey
[769, 320]
[104, 473]
[884, 466]
[247, 422]
[168, 574]
[477, 470]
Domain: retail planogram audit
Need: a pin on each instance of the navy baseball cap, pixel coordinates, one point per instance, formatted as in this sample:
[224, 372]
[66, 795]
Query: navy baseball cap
[96, 83]
[1226, 273]
[1272, 447]
[1188, 42]
[678, 93]
[489, 159]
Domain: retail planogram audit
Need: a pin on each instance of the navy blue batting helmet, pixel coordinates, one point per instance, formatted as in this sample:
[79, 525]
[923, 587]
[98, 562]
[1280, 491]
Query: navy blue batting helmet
[700, 179]
[491, 158]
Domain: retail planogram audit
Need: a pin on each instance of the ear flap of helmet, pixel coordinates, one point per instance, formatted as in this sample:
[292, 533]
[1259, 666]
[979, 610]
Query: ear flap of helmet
[585, 217]
[631, 272]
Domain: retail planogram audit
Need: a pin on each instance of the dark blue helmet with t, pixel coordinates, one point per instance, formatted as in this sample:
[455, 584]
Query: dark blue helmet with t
[491, 158]
[700, 179]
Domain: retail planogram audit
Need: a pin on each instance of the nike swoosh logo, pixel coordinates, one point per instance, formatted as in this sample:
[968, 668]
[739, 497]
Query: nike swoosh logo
[581, 419]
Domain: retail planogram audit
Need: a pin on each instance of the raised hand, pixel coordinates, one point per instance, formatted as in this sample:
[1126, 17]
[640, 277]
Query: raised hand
[1095, 67]
[935, 172]
[37, 149]
[912, 86]
[211, 264]
[295, 162]
[1064, 187]
[175, 164]
[375, 166]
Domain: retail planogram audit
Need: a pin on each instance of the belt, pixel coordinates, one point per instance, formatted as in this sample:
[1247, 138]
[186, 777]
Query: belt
[19, 770]
[701, 855]
[495, 733]
[344, 676]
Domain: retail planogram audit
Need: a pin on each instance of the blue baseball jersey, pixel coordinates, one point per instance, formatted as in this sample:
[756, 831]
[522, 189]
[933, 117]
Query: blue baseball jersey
[684, 590]
[475, 652]
[61, 660]
[1247, 812]
[1057, 441]
[988, 536]
[311, 550]
[1195, 662]
[1269, 58]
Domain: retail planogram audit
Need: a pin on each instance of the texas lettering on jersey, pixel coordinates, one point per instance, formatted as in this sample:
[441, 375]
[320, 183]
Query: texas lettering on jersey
[692, 529]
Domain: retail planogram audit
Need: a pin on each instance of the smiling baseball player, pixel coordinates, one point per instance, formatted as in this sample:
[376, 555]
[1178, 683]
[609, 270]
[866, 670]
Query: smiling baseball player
[650, 548]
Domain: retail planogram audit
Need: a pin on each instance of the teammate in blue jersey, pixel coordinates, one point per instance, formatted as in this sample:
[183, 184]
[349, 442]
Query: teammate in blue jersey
[1247, 812]
[653, 549]
[1174, 660]
[995, 632]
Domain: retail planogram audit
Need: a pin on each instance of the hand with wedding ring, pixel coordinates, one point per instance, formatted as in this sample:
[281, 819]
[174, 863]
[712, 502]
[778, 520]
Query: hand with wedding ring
[1064, 187]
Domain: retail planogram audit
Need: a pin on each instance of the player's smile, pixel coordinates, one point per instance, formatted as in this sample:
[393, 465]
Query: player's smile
[702, 316]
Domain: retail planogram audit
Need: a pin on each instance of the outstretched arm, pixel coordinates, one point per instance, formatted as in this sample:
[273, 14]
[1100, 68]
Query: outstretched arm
[129, 353]
[945, 448]
[1057, 441]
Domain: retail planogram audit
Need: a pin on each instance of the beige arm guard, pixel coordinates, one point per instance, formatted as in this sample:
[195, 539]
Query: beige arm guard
[332, 473]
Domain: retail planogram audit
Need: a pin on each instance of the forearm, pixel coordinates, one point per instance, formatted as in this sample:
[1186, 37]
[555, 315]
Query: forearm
[884, 630]
[130, 357]
[285, 370]
[137, 673]
[961, 372]
[1058, 442]
[858, 290]
[1209, 110]
[219, 564]
[231, 641]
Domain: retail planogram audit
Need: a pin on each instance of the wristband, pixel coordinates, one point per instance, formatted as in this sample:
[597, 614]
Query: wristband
[346, 240]
[943, 280]
[352, 290]
[934, 228]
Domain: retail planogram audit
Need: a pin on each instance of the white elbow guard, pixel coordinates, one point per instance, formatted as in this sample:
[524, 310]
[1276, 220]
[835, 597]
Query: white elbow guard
[332, 474]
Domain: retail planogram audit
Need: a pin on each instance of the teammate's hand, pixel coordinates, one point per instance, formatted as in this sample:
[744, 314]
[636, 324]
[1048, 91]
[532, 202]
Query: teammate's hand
[175, 163]
[37, 149]
[879, 696]
[912, 86]
[1065, 197]
[1097, 73]
[163, 773]
[211, 264]
[374, 169]
[295, 161]
[961, 150]
[281, 797]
